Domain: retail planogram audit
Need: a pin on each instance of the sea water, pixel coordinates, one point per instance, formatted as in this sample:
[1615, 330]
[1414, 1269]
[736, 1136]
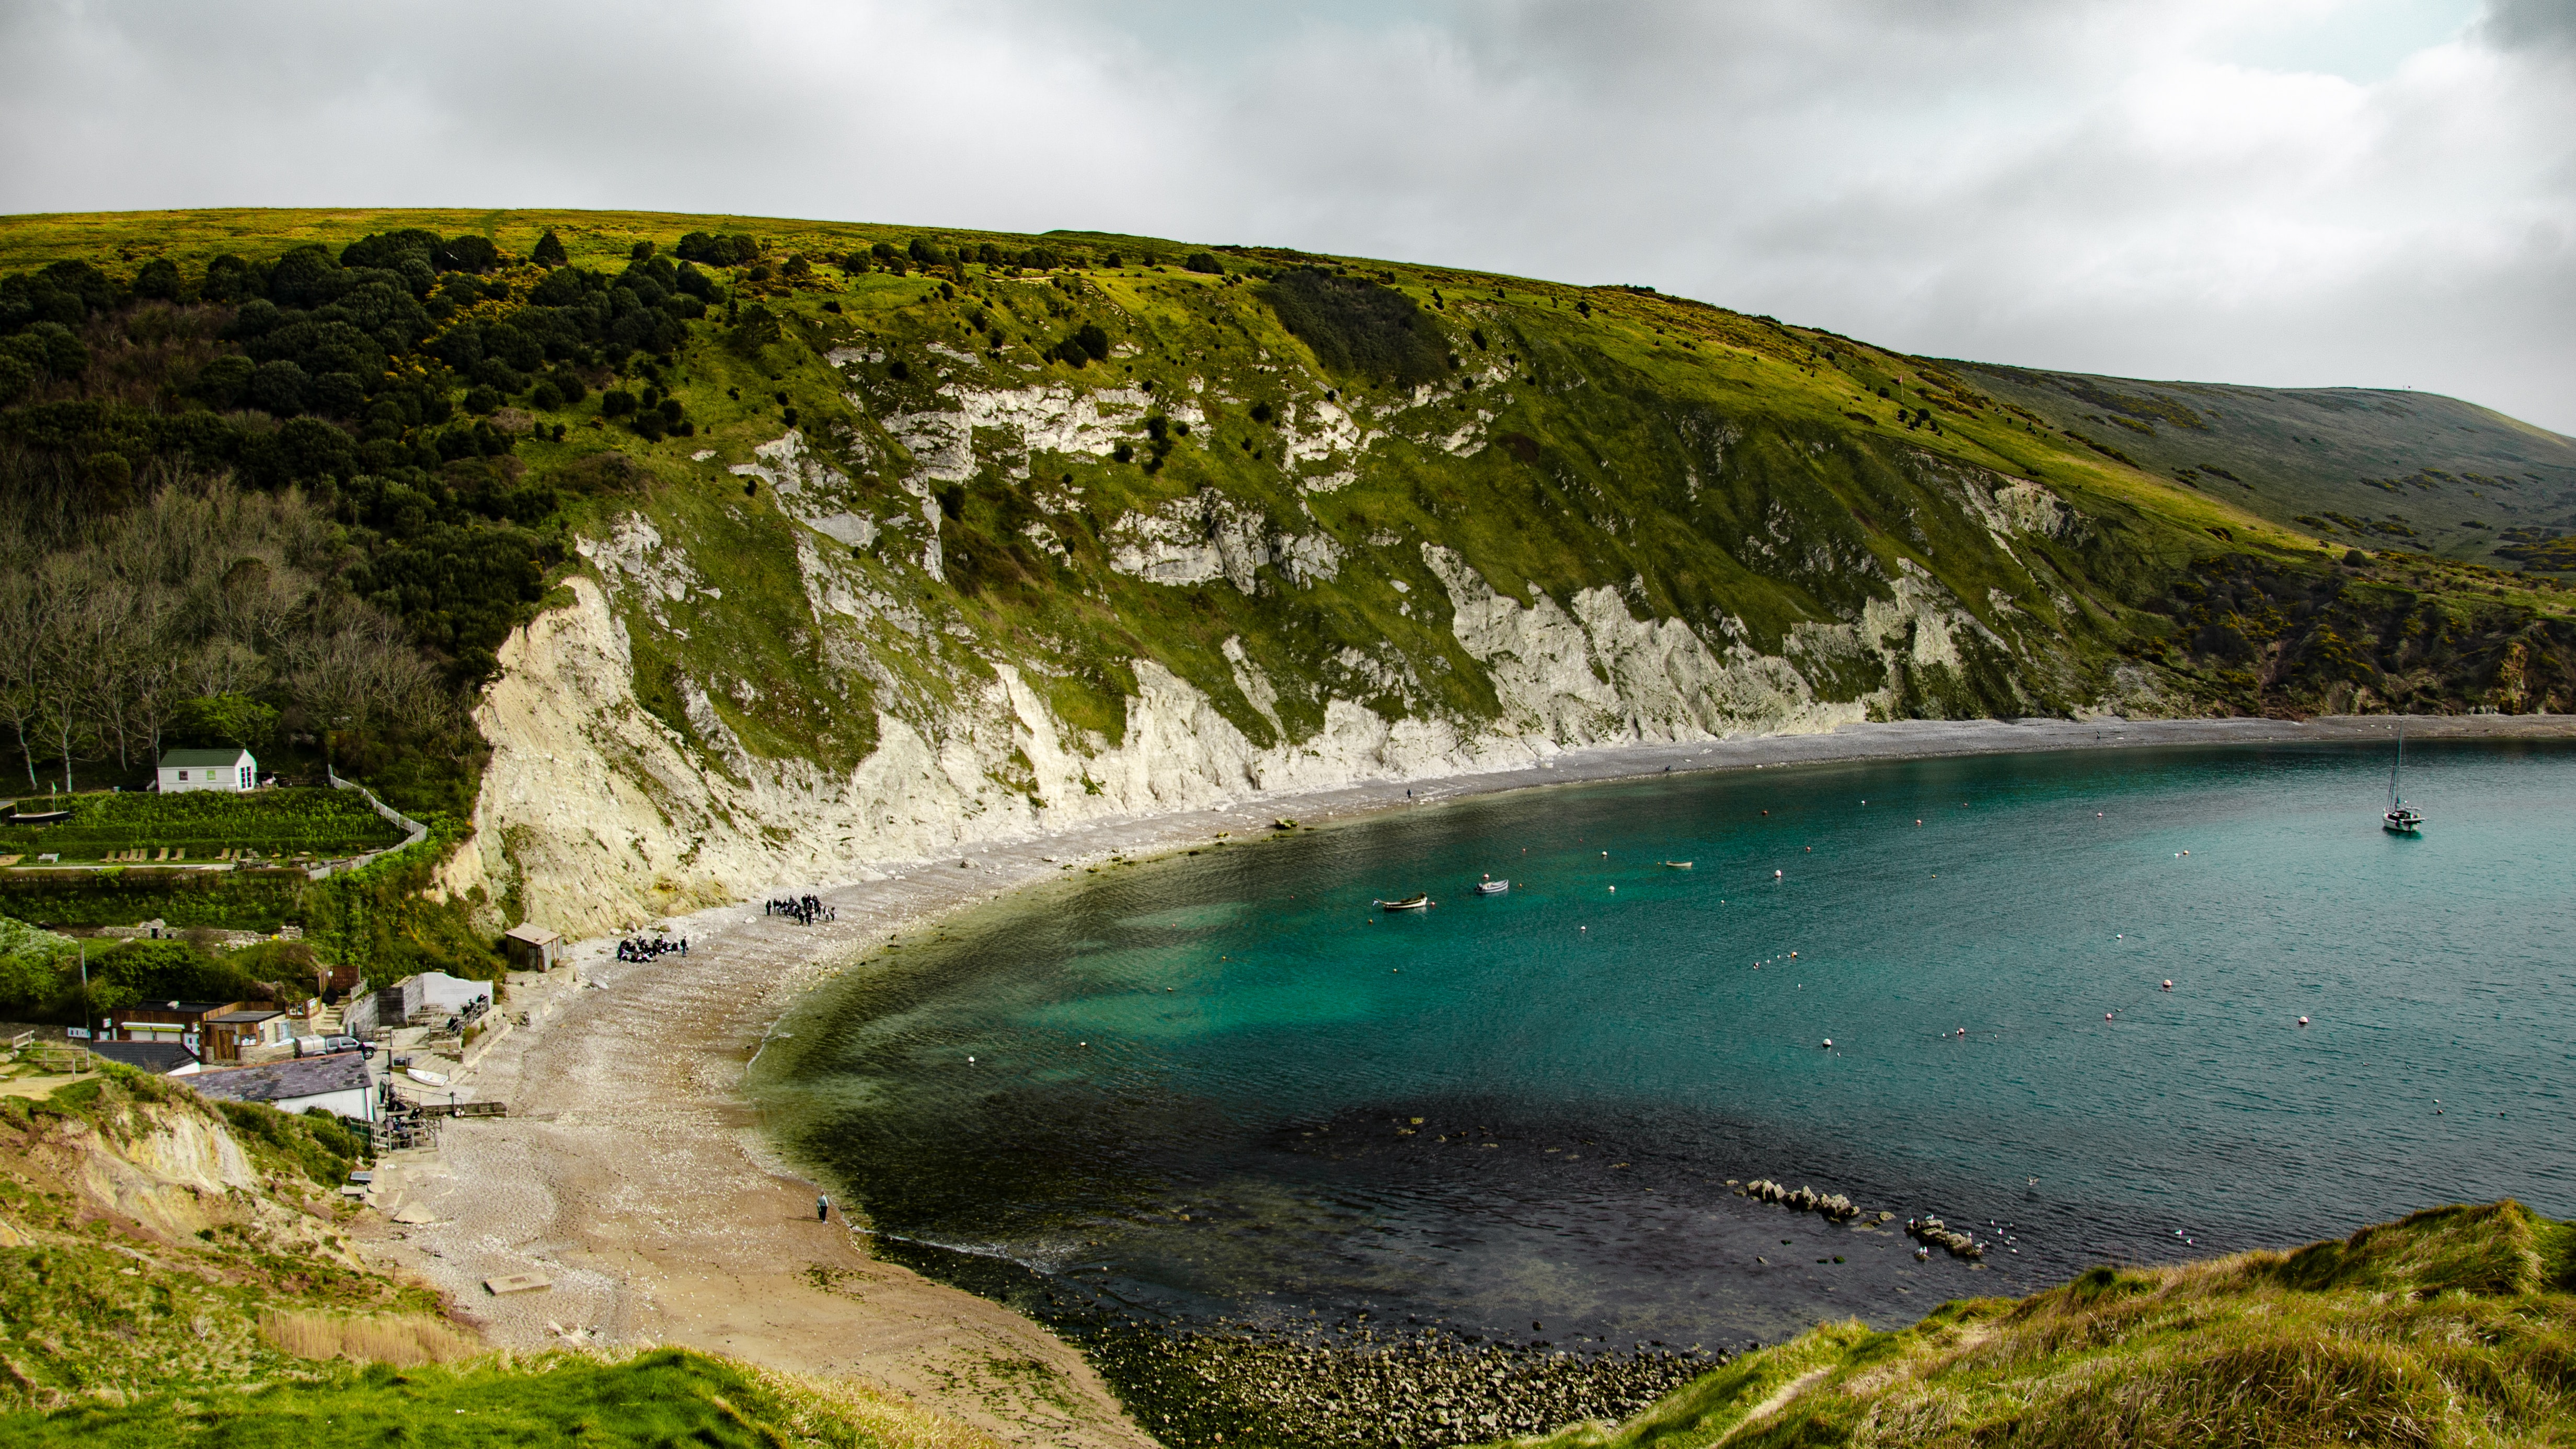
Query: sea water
[1227, 1086]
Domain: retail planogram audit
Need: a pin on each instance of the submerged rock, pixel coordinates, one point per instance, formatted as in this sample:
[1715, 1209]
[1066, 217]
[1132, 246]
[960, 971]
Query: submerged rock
[1834, 1207]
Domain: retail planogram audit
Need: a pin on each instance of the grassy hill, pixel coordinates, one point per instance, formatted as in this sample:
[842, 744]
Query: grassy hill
[2375, 468]
[171, 1273]
[1037, 508]
[2453, 1327]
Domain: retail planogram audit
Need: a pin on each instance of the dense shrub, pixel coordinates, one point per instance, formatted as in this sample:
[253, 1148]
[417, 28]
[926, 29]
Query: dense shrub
[1357, 327]
[719, 251]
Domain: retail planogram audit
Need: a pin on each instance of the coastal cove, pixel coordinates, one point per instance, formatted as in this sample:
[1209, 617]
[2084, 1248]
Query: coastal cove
[631, 1168]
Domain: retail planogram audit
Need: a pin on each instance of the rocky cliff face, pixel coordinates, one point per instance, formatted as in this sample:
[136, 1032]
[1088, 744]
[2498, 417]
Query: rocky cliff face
[604, 814]
[973, 596]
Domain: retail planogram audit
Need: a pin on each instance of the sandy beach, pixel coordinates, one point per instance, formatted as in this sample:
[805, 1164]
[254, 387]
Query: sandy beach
[633, 1175]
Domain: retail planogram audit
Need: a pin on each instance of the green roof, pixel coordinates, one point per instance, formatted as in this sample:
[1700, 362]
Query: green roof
[173, 759]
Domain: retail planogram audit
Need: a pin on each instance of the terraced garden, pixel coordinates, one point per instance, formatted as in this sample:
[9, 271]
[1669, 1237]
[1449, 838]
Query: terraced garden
[206, 826]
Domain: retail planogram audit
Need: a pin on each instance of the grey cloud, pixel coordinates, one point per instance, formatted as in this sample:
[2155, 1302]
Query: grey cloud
[2531, 24]
[2085, 185]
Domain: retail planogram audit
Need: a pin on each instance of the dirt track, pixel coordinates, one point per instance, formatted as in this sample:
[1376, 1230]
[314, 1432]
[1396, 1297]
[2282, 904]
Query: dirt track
[631, 1172]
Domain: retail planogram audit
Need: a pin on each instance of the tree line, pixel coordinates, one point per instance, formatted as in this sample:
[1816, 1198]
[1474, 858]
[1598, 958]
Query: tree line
[205, 615]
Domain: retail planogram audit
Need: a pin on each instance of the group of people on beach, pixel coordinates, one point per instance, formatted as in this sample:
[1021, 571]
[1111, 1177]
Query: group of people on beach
[803, 910]
[636, 948]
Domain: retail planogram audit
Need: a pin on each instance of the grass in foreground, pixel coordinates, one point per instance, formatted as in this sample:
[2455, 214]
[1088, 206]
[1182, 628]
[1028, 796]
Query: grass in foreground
[2455, 1326]
[667, 1396]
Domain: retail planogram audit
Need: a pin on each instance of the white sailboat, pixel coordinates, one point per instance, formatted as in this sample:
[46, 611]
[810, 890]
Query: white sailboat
[2402, 818]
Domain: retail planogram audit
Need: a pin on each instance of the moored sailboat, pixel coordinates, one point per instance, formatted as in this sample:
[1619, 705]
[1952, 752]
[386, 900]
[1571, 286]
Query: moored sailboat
[2402, 818]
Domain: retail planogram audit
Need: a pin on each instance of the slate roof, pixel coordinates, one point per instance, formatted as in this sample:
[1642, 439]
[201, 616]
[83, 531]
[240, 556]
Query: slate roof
[160, 1058]
[172, 759]
[283, 1081]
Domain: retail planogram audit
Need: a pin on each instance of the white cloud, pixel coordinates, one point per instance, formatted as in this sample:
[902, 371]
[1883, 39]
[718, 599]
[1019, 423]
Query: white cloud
[2294, 192]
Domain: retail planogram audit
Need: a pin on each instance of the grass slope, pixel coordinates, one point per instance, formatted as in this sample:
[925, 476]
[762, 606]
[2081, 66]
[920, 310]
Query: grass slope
[135, 1312]
[1754, 480]
[2455, 1326]
[662, 1397]
[2373, 467]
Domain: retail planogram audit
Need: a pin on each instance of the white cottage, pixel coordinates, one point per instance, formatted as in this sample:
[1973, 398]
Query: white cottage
[208, 770]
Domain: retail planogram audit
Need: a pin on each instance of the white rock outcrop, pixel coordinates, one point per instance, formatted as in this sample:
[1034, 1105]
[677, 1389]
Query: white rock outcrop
[1208, 536]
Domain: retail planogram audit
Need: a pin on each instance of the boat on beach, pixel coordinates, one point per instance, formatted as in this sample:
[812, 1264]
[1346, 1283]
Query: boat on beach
[1409, 903]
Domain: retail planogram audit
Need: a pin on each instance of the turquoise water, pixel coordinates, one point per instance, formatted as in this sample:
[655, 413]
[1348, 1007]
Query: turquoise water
[1194, 1084]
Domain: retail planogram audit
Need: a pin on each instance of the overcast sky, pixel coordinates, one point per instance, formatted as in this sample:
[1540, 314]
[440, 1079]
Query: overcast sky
[2294, 192]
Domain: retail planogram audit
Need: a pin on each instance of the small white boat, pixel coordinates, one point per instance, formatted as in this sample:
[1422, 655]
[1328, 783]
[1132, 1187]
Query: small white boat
[1674, 864]
[1492, 887]
[425, 1076]
[1409, 903]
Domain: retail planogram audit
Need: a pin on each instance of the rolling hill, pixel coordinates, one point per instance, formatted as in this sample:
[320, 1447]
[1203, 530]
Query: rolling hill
[2371, 467]
[760, 549]
[2443, 1329]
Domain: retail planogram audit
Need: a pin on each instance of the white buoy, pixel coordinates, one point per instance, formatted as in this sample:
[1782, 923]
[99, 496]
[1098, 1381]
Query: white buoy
[1829, 1043]
[2168, 983]
[1775, 875]
[2106, 1016]
[2303, 1021]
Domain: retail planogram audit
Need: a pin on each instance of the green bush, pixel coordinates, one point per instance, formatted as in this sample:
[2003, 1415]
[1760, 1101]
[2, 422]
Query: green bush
[167, 970]
[1358, 328]
[32, 963]
[235, 900]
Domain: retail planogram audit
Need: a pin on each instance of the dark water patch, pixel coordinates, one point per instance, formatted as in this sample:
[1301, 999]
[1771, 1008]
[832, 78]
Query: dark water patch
[1224, 1089]
[1276, 1377]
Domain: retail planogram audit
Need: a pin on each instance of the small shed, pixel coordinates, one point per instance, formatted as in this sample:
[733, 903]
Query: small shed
[208, 770]
[210, 1031]
[338, 1084]
[430, 992]
[249, 1026]
[174, 1023]
[531, 948]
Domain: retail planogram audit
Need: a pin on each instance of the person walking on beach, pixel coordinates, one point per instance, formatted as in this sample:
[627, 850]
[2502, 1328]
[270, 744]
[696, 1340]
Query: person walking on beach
[822, 1208]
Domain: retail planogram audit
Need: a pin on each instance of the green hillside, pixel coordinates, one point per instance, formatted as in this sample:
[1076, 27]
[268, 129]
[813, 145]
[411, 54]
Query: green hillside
[2453, 1327]
[2374, 468]
[835, 474]
[145, 1300]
